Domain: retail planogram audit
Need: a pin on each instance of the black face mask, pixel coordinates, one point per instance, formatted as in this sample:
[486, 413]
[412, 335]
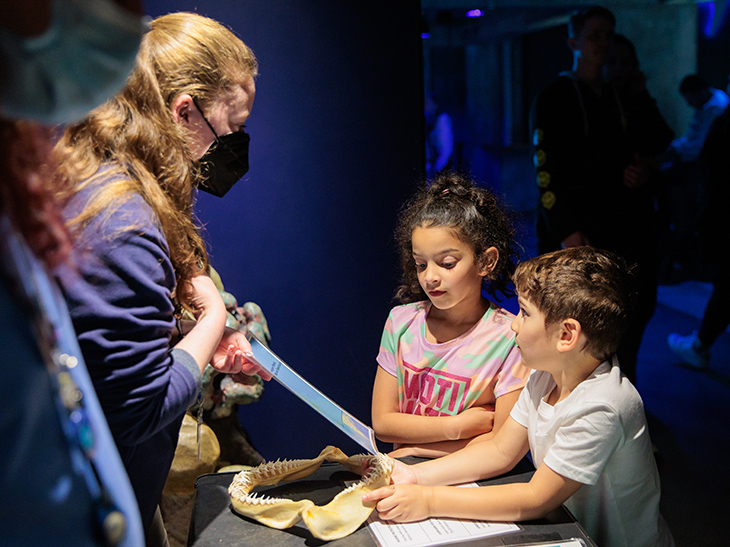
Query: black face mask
[225, 162]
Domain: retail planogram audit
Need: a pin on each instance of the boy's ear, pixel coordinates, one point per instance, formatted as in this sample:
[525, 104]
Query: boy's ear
[488, 261]
[570, 331]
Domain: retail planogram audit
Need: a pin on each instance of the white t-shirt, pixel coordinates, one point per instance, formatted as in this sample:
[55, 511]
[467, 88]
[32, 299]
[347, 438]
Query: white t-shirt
[598, 436]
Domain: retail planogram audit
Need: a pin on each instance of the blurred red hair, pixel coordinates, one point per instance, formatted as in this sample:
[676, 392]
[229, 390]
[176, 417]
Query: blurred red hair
[25, 193]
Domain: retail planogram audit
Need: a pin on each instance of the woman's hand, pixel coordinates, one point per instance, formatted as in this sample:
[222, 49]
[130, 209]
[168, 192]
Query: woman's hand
[207, 301]
[234, 355]
[209, 341]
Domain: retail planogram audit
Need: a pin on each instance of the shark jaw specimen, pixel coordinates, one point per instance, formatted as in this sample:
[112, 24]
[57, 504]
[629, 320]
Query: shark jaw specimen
[339, 518]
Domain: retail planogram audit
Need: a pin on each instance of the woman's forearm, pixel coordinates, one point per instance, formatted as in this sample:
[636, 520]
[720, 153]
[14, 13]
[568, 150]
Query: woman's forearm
[203, 337]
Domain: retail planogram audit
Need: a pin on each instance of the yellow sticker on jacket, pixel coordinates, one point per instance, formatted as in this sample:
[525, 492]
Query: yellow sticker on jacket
[543, 179]
[539, 158]
[548, 200]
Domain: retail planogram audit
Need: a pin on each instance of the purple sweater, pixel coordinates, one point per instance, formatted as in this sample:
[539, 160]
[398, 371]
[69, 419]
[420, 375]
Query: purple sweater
[123, 316]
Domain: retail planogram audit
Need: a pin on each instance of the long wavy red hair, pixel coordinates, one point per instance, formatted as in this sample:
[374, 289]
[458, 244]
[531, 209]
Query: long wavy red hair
[135, 133]
[26, 196]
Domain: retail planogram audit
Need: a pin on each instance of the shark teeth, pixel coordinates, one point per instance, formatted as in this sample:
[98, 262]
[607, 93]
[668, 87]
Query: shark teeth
[342, 516]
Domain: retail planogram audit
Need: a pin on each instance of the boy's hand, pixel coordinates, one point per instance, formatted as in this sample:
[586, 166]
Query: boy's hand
[403, 474]
[402, 502]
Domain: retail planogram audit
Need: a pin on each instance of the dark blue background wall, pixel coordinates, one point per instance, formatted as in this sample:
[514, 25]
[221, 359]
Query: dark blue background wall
[336, 145]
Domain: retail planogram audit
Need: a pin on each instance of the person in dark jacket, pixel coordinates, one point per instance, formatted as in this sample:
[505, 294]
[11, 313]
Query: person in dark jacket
[590, 151]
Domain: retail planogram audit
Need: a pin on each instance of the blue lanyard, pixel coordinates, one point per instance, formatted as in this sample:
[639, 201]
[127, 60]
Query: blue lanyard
[42, 297]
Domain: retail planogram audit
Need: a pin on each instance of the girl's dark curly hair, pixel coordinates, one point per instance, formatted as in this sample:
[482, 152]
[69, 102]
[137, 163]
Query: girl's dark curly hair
[473, 214]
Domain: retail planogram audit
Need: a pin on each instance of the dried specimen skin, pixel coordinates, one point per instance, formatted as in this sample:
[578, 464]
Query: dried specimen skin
[339, 518]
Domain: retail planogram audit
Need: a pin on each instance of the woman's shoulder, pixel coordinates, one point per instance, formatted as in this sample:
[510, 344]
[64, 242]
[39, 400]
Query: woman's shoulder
[112, 204]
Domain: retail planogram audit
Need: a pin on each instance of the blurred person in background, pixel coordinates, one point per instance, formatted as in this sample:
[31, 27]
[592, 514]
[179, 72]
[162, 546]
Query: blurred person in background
[683, 194]
[439, 138]
[714, 237]
[590, 170]
[62, 481]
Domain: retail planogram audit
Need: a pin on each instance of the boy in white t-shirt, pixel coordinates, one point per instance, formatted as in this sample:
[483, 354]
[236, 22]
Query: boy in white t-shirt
[579, 416]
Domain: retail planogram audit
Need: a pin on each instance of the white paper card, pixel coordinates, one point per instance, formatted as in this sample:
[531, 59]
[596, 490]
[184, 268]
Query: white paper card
[435, 531]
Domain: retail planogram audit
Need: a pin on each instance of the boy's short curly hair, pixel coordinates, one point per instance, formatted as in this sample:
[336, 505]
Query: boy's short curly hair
[592, 286]
[473, 214]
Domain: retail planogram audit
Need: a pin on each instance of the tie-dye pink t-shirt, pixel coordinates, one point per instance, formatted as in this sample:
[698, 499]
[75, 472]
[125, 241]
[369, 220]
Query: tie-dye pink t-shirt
[446, 379]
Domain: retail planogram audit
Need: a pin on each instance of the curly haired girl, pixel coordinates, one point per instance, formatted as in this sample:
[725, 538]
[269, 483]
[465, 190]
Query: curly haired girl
[449, 371]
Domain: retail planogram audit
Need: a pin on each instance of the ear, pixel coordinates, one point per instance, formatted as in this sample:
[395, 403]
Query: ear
[182, 107]
[570, 335]
[488, 261]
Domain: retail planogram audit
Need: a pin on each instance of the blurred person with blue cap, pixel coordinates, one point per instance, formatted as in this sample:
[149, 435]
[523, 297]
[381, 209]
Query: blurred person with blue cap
[62, 481]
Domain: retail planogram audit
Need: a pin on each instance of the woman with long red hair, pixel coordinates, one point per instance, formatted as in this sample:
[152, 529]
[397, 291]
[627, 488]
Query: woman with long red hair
[127, 174]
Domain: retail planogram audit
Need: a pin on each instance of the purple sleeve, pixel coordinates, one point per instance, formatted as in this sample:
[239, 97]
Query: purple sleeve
[123, 314]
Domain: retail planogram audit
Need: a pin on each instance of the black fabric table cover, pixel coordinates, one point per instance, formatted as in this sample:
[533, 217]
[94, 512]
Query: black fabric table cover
[215, 523]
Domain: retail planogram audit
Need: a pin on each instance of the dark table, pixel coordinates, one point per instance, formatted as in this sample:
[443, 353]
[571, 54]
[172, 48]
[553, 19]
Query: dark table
[215, 523]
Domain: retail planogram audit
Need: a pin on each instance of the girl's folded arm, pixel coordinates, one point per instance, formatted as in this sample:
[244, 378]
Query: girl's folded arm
[393, 426]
